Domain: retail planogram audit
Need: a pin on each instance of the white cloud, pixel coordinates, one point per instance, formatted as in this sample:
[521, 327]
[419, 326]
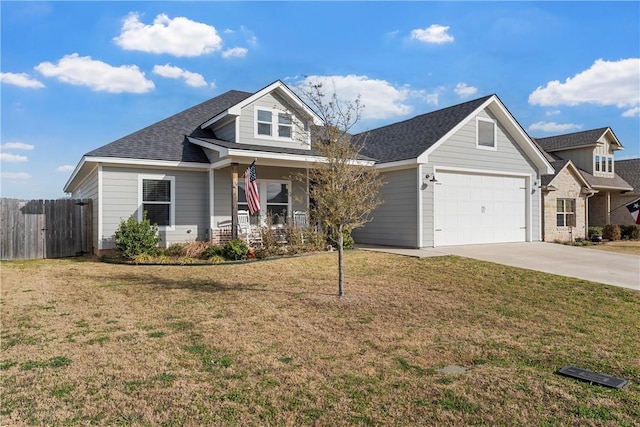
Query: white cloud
[236, 52]
[12, 158]
[633, 112]
[179, 36]
[463, 91]
[65, 168]
[16, 146]
[173, 72]
[21, 80]
[97, 75]
[553, 127]
[380, 98]
[15, 175]
[552, 113]
[435, 34]
[604, 83]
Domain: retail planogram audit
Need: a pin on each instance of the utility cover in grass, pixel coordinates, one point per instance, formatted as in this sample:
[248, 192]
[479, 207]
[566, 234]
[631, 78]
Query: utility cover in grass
[593, 377]
[452, 370]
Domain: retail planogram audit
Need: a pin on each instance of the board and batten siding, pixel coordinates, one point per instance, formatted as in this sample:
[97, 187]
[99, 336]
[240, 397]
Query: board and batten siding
[460, 152]
[247, 123]
[120, 201]
[222, 189]
[394, 222]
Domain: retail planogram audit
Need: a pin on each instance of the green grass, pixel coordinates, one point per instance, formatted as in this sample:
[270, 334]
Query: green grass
[270, 343]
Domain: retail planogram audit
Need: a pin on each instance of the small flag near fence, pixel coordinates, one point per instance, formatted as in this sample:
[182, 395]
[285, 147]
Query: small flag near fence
[634, 210]
[251, 189]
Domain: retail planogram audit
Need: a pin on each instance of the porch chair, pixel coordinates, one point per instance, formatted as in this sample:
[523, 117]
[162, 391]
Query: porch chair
[251, 233]
[300, 222]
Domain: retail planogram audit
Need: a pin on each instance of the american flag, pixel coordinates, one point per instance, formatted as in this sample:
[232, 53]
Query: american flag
[634, 210]
[251, 189]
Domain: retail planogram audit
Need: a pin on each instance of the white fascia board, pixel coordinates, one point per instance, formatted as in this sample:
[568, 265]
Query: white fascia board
[214, 119]
[400, 164]
[238, 154]
[222, 151]
[74, 174]
[146, 162]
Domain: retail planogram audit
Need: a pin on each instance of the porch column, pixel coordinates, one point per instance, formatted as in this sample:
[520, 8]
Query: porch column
[608, 207]
[234, 201]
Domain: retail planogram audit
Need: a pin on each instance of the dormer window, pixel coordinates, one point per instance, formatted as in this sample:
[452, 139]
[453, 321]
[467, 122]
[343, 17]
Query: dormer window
[610, 160]
[273, 124]
[486, 133]
[597, 163]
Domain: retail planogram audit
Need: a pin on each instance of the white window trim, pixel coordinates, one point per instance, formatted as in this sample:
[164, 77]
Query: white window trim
[274, 125]
[172, 206]
[262, 190]
[495, 134]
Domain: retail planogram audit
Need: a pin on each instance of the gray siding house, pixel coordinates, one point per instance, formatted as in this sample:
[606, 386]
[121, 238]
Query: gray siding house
[464, 174]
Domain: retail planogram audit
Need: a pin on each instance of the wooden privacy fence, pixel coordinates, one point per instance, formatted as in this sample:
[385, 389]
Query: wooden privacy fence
[32, 229]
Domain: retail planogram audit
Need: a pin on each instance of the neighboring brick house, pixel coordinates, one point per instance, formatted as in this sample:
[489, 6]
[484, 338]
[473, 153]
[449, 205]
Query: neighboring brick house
[585, 160]
[564, 196]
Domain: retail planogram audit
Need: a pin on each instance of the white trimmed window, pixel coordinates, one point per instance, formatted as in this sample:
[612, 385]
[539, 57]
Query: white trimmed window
[156, 197]
[486, 133]
[275, 200]
[566, 213]
[597, 163]
[273, 124]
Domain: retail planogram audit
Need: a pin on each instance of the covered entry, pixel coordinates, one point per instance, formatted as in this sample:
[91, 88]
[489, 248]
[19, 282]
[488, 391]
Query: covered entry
[471, 208]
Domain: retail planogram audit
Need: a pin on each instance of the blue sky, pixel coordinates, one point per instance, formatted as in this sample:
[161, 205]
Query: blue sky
[78, 75]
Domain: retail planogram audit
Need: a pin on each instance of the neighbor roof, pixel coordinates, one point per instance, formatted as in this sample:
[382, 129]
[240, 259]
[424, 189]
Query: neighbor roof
[165, 140]
[572, 140]
[410, 138]
[629, 170]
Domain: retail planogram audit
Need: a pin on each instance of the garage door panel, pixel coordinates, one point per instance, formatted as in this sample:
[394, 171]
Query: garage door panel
[478, 208]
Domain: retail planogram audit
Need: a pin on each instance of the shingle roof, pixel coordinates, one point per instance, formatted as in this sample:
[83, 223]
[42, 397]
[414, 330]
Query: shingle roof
[629, 170]
[576, 139]
[598, 182]
[165, 140]
[557, 164]
[410, 138]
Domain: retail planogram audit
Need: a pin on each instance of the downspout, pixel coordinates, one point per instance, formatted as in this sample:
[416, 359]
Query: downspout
[589, 193]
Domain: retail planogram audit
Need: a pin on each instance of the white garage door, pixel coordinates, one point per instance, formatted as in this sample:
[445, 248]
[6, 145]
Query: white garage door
[474, 208]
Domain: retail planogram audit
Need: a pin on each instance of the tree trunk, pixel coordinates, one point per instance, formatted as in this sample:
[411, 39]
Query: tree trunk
[340, 262]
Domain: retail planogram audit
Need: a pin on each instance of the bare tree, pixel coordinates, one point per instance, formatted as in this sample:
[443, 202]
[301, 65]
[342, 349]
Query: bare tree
[344, 186]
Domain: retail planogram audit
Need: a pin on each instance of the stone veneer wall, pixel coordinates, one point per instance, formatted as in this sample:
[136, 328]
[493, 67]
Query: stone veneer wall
[567, 188]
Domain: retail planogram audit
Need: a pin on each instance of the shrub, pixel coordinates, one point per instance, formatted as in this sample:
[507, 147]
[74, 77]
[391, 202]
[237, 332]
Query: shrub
[134, 238]
[194, 249]
[236, 250]
[631, 232]
[594, 230]
[347, 241]
[611, 232]
[213, 251]
[175, 249]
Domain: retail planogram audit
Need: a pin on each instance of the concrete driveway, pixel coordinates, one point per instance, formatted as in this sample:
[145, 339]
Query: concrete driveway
[610, 268]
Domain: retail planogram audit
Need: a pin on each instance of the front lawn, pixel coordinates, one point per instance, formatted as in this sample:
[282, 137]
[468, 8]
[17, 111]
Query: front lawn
[269, 343]
[623, 246]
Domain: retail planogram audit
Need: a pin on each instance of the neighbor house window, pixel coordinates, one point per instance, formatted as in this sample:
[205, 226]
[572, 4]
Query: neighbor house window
[486, 133]
[566, 213]
[157, 196]
[597, 163]
[610, 161]
[603, 165]
[273, 124]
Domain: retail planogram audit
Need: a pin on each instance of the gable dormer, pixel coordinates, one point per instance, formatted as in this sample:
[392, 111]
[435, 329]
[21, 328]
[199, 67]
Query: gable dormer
[272, 117]
[590, 150]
